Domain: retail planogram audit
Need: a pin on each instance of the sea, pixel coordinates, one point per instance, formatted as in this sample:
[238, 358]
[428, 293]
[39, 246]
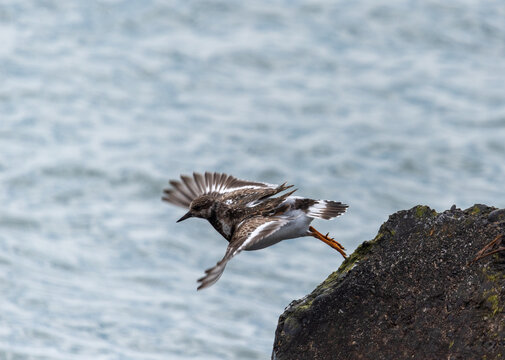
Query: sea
[381, 105]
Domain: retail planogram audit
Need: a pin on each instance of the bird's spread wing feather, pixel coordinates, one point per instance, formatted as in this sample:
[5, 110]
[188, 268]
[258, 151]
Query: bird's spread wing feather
[188, 188]
[248, 233]
[254, 197]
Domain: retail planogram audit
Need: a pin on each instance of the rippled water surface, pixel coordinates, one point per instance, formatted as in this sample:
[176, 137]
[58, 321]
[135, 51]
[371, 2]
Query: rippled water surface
[379, 104]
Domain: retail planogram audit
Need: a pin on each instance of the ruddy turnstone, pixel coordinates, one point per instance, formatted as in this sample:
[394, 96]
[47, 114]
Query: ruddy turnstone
[247, 215]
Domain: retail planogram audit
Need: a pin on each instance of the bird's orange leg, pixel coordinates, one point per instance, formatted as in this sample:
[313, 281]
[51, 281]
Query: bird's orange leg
[328, 240]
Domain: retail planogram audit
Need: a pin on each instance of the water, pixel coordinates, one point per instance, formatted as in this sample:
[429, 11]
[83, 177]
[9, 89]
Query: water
[382, 105]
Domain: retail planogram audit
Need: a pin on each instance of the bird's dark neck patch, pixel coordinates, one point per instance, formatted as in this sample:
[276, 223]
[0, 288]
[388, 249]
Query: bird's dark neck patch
[225, 219]
[221, 224]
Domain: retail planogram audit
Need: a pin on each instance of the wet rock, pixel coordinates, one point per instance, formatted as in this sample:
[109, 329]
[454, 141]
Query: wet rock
[411, 292]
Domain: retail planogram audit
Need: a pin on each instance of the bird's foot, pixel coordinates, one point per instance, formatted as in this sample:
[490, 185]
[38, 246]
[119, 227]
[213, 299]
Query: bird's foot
[328, 240]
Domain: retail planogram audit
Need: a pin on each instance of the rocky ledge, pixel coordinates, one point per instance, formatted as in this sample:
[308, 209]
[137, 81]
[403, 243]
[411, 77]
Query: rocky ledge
[429, 286]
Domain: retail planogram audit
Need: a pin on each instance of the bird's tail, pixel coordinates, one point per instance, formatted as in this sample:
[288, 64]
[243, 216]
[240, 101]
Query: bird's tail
[326, 209]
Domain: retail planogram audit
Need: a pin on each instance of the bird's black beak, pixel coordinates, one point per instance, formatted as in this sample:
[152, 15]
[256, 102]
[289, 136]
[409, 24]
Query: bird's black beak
[186, 216]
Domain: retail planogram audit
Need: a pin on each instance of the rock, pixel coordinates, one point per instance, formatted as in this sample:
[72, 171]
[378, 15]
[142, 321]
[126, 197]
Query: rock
[496, 215]
[412, 292]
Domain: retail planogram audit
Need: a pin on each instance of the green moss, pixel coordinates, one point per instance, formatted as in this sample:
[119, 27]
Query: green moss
[492, 296]
[357, 255]
[361, 251]
[475, 210]
[495, 277]
[422, 211]
[305, 305]
[494, 301]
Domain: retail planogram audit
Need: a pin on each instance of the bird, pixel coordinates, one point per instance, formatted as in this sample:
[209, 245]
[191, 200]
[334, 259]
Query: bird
[248, 215]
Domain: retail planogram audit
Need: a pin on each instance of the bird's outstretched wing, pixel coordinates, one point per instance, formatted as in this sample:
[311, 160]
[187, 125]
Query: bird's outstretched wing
[183, 192]
[254, 197]
[248, 233]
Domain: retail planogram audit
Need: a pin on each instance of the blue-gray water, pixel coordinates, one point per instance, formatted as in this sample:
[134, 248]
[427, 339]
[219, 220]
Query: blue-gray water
[379, 104]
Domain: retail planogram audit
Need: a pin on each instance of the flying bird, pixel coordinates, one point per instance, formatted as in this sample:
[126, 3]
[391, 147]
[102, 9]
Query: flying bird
[247, 214]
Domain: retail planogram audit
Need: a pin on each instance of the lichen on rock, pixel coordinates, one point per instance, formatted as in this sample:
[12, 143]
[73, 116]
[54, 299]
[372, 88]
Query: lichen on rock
[413, 291]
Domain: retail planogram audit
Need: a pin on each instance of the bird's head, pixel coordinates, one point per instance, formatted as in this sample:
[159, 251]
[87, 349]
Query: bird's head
[200, 207]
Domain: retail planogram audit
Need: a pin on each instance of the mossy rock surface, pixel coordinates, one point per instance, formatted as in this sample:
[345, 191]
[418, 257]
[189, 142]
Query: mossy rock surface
[410, 293]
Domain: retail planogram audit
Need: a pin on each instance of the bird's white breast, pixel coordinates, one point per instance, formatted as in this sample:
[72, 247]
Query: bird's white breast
[295, 228]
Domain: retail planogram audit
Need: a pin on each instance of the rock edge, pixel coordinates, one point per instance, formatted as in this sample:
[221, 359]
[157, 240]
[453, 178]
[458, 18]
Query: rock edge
[411, 292]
